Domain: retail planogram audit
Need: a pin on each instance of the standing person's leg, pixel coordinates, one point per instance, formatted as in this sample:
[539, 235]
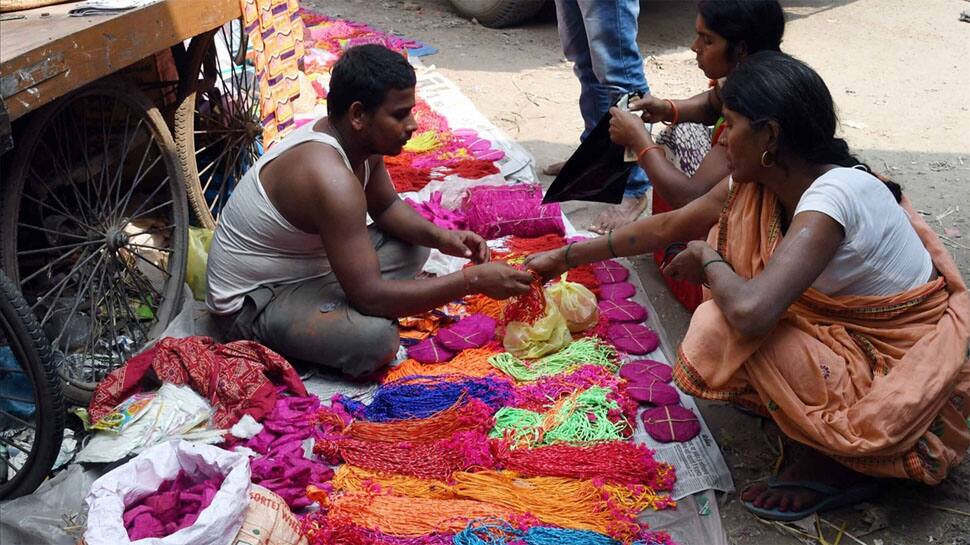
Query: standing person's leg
[314, 323]
[611, 28]
[575, 47]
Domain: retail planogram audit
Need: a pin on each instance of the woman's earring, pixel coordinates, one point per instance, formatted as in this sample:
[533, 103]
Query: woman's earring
[766, 161]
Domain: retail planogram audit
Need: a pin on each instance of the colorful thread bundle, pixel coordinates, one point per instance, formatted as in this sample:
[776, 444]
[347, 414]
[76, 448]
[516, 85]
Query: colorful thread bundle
[583, 351]
[464, 415]
[432, 460]
[499, 532]
[408, 516]
[421, 397]
[536, 396]
[467, 363]
[587, 415]
[612, 461]
[567, 503]
[498, 211]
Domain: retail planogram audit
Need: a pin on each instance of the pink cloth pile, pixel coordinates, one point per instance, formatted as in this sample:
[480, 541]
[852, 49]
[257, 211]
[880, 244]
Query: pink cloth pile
[282, 467]
[176, 505]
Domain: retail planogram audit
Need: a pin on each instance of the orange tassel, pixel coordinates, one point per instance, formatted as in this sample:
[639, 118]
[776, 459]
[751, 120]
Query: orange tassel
[472, 362]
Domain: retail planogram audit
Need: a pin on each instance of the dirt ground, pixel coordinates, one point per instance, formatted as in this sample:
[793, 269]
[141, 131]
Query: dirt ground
[899, 71]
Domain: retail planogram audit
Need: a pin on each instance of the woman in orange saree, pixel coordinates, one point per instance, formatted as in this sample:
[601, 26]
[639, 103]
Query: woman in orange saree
[832, 307]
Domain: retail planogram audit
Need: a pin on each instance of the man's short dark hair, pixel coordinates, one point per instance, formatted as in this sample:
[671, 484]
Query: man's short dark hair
[366, 73]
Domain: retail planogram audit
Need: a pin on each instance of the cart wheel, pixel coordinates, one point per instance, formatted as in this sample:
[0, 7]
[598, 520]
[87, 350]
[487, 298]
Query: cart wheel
[217, 128]
[31, 403]
[94, 229]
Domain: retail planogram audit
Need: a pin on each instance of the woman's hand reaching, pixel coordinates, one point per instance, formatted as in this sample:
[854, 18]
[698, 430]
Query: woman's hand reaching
[628, 130]
[655, 110]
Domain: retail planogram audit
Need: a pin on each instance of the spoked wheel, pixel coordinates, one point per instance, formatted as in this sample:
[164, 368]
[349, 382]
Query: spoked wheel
[94, 229]
[31, 403]
[217, 121]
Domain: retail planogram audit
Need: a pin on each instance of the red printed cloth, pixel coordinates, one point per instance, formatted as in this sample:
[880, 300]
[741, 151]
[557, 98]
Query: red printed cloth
[237, 378]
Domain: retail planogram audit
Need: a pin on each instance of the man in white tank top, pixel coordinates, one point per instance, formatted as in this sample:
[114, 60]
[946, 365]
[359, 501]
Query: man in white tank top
[315, 255]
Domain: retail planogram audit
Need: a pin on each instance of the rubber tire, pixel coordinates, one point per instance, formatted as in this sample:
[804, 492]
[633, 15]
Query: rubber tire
[12, 190]
[183, 128]
[183, 125]
[30, 345]
[498, 13]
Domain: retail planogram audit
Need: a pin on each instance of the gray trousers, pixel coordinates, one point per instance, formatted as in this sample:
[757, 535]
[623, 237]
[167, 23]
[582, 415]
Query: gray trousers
[312, 321]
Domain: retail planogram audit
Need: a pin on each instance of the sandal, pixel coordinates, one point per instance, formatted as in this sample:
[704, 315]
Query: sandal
[832, 498]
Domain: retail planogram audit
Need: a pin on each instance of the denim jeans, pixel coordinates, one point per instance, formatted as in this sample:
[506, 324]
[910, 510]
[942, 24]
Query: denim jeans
[600, 38]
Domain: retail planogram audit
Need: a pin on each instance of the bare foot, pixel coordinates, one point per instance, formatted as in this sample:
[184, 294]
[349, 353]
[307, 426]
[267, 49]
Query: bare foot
[621, 214]
[810, 466]
[553, 169]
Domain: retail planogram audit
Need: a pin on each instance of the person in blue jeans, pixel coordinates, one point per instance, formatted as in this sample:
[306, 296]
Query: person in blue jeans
[600, 38]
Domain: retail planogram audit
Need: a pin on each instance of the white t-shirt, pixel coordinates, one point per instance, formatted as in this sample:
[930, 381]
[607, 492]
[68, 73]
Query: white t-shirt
[881, 253]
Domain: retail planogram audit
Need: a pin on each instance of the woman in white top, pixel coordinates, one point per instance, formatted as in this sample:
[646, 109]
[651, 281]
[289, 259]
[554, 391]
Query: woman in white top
[832, 307]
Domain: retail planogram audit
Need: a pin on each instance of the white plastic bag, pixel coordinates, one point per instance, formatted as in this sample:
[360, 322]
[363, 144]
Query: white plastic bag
[174, 412]
[217, 524]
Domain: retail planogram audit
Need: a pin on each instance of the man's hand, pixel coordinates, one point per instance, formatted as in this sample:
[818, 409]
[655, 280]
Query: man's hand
[498, 280]
[463, 244]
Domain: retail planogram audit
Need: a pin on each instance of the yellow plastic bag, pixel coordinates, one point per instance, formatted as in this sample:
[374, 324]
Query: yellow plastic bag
[549, 334]
[199, 241]
[576, 303]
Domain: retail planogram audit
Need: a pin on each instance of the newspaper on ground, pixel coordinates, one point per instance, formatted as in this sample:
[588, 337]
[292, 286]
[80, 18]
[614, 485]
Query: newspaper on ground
[699, 462]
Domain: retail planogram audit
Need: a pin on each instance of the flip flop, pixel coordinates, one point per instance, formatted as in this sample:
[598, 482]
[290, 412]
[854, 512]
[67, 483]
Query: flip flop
[832, 498]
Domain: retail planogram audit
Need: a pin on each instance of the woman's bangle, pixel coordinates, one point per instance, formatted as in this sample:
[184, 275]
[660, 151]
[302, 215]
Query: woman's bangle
[676, 113]
[609, 243]
[645, 149]
[468, 285]
[565, 257]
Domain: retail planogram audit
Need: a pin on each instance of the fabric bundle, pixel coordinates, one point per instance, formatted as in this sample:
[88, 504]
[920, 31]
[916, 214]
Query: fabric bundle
[237, 378]
[421, 397]
[176, 505]
[281, 465]
[497, 211]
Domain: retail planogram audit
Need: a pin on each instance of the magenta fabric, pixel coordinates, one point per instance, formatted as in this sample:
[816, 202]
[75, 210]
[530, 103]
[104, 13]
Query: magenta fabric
[435, 212]
[611, 275]
[176, 505]
[430, 350]
[498, 211]
[646, 371]
[633, 338]
[281, 466]
[623, 311]
[653, 392]
[619, 291]
[608, 264]
[671, 423]
[470, 332]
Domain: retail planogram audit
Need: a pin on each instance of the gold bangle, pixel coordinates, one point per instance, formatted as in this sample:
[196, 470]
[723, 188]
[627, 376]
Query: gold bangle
[609, 243]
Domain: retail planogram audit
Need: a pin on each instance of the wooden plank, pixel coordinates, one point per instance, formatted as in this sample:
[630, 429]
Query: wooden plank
[48, 53]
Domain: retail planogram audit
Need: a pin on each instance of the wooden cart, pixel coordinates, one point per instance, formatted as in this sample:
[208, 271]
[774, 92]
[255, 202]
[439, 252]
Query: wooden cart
[106, 123]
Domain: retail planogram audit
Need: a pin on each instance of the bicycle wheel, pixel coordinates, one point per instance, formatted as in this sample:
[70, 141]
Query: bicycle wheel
[217, 126]
[31, 403]
[95, 228]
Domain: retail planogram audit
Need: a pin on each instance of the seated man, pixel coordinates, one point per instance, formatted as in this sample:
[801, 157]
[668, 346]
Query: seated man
[315, 255]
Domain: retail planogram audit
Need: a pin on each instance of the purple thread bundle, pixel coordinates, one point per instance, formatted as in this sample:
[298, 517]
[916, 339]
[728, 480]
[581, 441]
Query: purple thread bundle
[421, 397]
